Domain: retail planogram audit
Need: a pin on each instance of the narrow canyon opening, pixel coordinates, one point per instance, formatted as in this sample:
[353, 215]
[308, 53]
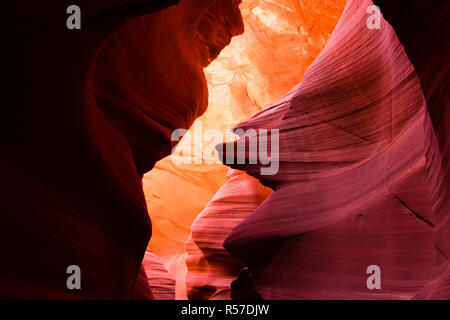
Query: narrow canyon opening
[281, 39]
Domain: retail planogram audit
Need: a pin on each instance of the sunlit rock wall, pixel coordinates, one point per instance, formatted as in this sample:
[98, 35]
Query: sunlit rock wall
[281, 39]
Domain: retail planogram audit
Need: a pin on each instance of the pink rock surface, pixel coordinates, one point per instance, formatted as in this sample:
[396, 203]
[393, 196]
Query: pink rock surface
[210, 267]
[353, 187]
[161, 283]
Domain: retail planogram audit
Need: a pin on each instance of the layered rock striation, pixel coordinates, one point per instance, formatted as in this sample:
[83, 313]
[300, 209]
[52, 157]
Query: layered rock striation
[361, 177]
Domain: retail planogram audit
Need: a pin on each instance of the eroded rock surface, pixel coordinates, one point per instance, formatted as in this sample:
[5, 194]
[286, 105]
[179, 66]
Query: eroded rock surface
[89, 112]
[211, 268]
[354, 186]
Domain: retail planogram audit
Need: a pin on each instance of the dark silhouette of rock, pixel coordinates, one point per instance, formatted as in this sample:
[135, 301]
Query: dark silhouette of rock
[87, 113]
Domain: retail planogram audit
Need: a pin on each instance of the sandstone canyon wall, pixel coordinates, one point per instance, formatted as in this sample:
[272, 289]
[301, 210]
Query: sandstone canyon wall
[88, 112]
[363, 125]
[362, 177]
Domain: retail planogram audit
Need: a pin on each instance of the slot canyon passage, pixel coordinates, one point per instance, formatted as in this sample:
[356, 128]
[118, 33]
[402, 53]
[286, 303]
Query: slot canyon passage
[363, 162]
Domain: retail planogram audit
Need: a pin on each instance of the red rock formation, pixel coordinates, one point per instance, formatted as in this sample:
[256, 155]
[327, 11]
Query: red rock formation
[89, 112]
[161, 283]
[352, 189]
[210, 267]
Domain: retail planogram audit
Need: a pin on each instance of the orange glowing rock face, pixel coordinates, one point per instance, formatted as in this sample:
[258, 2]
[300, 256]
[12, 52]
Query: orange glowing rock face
[281, 39]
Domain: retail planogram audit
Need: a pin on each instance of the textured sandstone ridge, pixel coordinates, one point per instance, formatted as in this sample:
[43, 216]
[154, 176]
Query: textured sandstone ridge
[353, 188]
[162, 284]
[210, 267]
